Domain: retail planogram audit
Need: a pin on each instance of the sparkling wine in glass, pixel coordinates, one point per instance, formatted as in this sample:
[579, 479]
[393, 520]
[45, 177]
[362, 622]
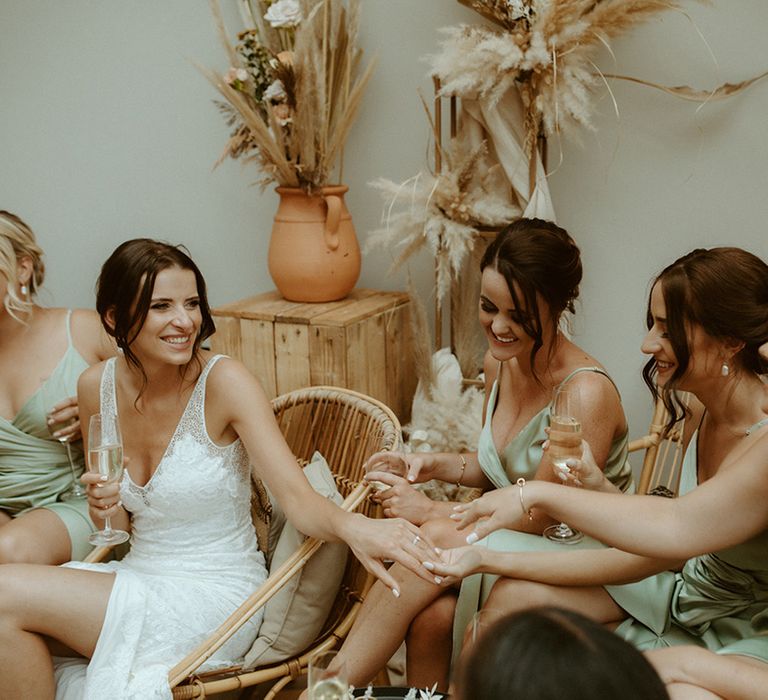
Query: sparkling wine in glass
[564, 444]
[105, 457]
[52, 394]
[395, 464]
[327, 680]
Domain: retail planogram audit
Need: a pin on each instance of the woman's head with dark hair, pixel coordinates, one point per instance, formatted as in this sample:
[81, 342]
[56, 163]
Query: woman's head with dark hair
[554, 654]
[541, 268]
[124, 291]
[718, 296]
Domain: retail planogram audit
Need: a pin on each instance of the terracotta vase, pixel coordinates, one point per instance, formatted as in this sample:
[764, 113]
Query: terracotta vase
[313, 252]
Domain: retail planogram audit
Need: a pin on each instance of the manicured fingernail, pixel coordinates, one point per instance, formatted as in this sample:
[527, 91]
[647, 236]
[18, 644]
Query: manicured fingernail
[438, 550]
[119, 504]
[456, 507]
[562, 476]
[455, 516]
[438, 579]
[472, 538]
[428, 565]
[395, 593]
[103, 477]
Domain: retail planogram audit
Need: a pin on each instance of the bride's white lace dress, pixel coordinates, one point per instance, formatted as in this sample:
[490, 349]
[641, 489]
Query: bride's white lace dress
[193, 559]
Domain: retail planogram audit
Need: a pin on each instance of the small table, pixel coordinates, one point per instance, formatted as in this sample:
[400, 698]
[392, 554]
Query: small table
[362, 343]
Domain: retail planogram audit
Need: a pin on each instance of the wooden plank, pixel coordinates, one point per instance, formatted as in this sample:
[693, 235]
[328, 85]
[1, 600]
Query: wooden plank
[375, 303]
[376, 351]
[291, 356]
[399, 364]
[226, 339]
[262, 307]
[327, 355]
[257, 352]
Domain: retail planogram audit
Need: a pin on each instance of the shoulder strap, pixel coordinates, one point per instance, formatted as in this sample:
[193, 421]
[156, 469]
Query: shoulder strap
[107, 398]
[596, 370]
[69, 327]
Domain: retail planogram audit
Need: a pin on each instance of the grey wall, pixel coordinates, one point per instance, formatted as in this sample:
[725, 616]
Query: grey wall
[107, 132]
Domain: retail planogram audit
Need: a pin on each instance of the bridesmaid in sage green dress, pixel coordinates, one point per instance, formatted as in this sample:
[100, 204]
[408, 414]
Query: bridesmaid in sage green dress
[530, 276]
[42, 354]
[708, 321]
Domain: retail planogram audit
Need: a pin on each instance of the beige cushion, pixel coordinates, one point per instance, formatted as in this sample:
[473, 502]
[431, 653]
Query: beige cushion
[295, 615]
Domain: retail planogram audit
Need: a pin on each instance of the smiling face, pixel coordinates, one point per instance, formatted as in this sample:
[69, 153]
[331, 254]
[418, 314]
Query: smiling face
[705, 353]
[173, 320]
[502, 320]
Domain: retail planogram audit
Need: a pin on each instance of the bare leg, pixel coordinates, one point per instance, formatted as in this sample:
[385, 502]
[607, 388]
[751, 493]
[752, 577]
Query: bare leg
[36, 602]
[512, 595]
[683, 691]
[429, 644]
[37, 537]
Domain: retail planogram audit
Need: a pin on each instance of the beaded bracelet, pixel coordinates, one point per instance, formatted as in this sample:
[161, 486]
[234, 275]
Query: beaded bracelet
[463, 467]
[521, 483]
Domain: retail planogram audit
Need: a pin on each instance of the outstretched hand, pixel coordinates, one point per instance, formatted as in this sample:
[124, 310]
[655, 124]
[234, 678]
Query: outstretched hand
[415, 467]
[457, 563]
[494, 510]
[377, 541]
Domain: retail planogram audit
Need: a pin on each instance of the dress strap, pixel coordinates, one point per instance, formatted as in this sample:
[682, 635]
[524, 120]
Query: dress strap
[757, 426]
[69, 327]
[596, 370]
[107, 398]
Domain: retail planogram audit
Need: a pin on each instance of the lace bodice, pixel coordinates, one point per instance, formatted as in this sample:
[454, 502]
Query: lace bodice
[194, 512]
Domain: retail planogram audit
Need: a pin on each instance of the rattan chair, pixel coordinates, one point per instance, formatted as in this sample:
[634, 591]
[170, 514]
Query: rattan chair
[346, 427]
[660, 473]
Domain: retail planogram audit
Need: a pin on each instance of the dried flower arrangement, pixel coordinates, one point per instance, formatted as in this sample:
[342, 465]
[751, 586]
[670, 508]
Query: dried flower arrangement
[293, 88]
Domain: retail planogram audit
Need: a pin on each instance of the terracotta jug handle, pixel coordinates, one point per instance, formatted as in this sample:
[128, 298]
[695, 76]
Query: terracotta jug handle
[332, 221]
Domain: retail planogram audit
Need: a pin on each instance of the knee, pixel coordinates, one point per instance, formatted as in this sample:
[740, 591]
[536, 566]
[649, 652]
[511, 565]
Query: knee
[434, 622]
[15, 548]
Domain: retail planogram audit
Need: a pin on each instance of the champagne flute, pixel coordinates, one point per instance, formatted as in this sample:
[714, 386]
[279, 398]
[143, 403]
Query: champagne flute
[564, 444]
[327, 680]
[51, 395]
[105, 457]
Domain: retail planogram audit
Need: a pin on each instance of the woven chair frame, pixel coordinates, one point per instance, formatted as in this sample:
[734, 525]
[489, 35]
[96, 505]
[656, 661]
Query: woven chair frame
[660, 473]
[346, 427]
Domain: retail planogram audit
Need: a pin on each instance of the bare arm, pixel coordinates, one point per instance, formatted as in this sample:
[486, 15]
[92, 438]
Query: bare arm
[727, 675]
[569, 567]
[236, 399]
[648, 525]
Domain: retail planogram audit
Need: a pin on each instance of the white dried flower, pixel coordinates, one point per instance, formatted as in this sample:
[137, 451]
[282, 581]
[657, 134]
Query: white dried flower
[284, 13]
[276, 92]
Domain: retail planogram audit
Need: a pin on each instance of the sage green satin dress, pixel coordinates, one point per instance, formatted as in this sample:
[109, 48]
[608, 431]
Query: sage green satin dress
[34, 469]
[718, 600]
[521, 458]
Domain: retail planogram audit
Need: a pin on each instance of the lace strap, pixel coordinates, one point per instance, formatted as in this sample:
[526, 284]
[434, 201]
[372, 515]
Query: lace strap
[107, 399]
[196, 416]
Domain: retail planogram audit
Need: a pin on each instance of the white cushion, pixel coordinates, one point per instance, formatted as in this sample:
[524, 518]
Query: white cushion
[295, 615]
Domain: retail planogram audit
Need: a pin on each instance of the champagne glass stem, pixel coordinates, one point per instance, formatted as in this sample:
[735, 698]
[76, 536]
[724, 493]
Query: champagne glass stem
[107, 530]
[76, 490]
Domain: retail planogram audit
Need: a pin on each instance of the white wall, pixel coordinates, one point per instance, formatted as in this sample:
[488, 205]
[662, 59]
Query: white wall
[107, 132]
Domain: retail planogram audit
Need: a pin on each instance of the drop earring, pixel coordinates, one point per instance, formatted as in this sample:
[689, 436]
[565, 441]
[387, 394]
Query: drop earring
[23, 290]
[725, 370]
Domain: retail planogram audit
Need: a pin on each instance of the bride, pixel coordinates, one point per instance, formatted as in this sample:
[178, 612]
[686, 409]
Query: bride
[192, 424]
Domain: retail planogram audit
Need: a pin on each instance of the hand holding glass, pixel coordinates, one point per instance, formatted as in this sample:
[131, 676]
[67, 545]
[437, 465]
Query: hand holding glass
[389, 462]
[51, 395]
[564, 444]
[105, 457]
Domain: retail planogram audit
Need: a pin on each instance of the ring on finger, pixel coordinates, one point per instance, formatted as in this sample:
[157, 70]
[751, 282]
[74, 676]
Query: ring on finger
[416, 540]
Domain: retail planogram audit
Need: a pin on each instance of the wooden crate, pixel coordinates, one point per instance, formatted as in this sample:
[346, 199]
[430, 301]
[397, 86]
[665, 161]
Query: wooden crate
[362, 342]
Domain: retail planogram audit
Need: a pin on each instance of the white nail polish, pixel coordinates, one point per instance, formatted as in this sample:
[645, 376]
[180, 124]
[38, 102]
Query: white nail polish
[428, 565]
[472, 538]
[438, 579]
[395, 593]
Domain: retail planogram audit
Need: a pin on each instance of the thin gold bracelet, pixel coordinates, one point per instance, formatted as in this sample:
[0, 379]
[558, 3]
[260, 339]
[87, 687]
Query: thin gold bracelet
[463, 467]
[521, 483]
